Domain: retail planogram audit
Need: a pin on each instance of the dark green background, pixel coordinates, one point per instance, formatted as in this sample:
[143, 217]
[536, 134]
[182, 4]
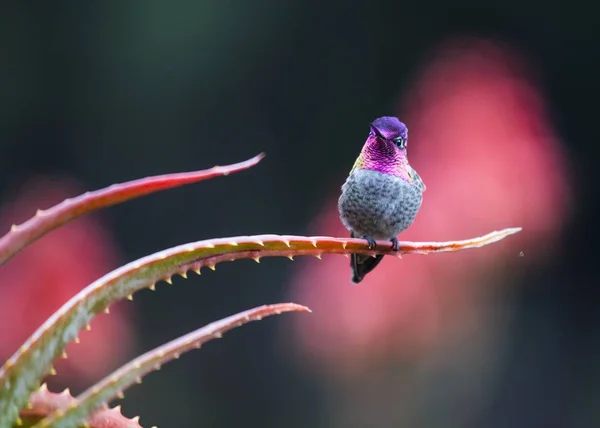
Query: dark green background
[111, 91]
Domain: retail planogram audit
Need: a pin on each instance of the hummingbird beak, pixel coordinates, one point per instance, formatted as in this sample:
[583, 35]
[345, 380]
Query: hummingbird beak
[376, 132]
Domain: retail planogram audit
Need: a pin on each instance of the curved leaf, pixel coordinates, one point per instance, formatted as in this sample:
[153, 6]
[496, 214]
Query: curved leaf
[114, 384]
[22, 373]
[45, 221]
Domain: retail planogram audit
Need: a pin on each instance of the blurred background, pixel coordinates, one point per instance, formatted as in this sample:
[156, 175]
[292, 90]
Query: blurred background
[501, 105]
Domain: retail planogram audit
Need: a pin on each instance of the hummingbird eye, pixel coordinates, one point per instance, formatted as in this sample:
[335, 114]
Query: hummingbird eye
[400, 142]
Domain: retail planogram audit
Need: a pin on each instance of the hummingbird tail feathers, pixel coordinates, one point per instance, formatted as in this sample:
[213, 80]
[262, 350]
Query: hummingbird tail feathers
[362, 265]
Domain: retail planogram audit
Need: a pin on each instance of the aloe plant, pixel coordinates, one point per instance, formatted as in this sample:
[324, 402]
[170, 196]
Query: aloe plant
[25, 401]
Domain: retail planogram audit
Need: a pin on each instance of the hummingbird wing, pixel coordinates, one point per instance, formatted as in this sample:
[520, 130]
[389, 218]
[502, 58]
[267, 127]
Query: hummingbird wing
[361, 265]
[416, 178]
[357, 164]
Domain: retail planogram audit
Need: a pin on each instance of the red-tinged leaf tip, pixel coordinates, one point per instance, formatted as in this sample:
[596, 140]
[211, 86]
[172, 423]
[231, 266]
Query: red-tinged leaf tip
[45, 221]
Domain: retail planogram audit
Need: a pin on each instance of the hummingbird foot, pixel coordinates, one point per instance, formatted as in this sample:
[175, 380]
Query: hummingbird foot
[395, 244]
[371, 241]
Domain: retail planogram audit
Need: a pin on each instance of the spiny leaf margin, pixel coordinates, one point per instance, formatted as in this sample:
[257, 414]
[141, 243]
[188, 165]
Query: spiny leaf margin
[43, 403]
[132, 372]
[22, 373]
[45, 221]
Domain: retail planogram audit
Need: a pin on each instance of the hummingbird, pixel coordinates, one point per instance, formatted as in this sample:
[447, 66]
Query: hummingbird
[382, 194]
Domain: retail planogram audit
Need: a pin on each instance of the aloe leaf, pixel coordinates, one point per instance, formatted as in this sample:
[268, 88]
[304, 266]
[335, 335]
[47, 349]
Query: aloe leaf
[43, 403]
[22, 373]
[114, 384]
[45, 221]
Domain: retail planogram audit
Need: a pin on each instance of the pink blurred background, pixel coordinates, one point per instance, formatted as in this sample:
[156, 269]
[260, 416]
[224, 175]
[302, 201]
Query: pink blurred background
[45, 275]
[482, 141]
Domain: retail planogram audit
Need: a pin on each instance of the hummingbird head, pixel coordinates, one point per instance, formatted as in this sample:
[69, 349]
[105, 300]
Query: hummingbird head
[390, 129]
[385, 148]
